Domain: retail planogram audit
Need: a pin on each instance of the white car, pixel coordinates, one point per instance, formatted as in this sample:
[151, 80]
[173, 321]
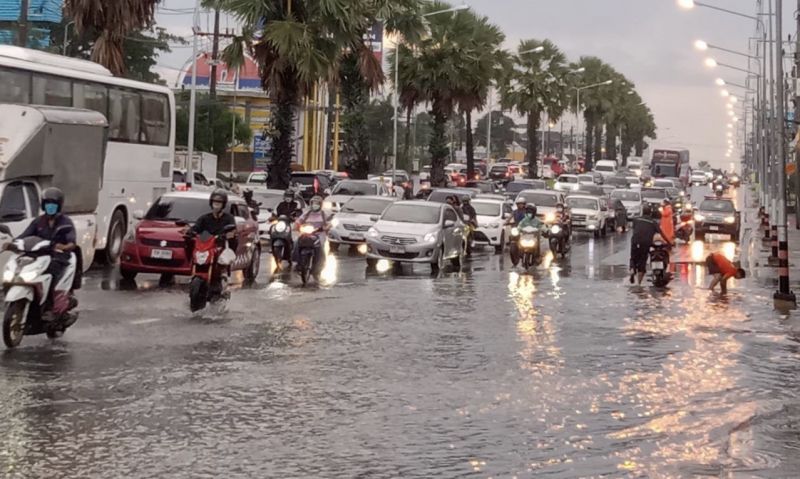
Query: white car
[636, 165]
[586, 179]
[588, 213]
[632, 200]
[345, 190]
[268, 200]
[606, 168]
[491, 218]
[699, 178]
[355, 218]
[545, 201]
[634, 182]
[566, 183]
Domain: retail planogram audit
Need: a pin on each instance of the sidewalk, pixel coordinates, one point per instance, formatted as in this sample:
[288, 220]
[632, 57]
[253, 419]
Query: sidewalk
[755, 253]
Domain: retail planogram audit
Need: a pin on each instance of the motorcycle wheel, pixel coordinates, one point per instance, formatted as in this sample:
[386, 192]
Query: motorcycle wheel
[198, 294]
[13, 323]
[251, 273]
[554, 246]
[527, 260]
[514, 257]
[303, 268]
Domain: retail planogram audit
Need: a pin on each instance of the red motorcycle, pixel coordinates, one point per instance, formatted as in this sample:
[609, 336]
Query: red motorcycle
[684, 226]
[210, 259]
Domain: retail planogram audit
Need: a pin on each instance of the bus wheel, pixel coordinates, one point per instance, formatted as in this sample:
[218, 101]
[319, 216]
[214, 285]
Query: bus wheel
[116, 234]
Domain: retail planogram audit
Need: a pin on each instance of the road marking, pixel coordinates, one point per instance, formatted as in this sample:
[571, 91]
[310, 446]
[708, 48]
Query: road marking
[146, 321]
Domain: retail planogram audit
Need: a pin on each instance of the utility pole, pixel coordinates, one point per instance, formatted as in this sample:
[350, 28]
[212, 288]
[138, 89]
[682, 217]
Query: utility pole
[784, 297]
[212, 86]
[22, 31]
[192, 98]
[796, 110]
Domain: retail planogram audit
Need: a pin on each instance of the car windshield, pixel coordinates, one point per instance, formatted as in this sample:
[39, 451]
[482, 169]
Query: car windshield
[604, 168]
[651, 194]
[673, 192]
[626, 195]
[499, 169]
[258, 178]
[567, 179]
[540, 199]
[355, 188]
[303, 179]
[440, 196]
[516, 187]
[592, 189]
[487, 209]
[617, 181]
[633, 180]
[178, 177]
[583, 203]
[409, 213]
[721, 206]
[663, 183]
[178, 209]
[588, 178]
[267, 200]
[365, 206]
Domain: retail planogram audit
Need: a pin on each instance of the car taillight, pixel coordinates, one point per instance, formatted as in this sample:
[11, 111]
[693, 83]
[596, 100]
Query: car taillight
[316, 185]
[183, 187]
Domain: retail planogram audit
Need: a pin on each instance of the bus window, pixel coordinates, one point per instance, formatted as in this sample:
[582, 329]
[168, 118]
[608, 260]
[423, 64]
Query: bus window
[16, 86]
[90, 96]
[155, 119]
[124, 115]
[51, 91]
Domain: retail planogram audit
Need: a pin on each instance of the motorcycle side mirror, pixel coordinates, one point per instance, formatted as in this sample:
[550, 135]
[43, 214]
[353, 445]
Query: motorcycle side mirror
[374, 218]
[5, 230]
[449, 223]
[138, 215]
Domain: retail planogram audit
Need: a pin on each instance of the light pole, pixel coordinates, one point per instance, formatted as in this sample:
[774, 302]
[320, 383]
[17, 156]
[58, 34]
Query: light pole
[578, 102]
[397, 81]
[66, 38]
[192, 98]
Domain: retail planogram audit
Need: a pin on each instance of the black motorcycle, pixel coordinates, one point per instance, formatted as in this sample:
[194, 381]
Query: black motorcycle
[280, 235]
[308, 243]
[559, 238]
[659, 264]
[525, 246]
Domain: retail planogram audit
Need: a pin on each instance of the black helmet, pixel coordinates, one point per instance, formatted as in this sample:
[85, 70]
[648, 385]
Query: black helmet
[219, 195]
[647, 209]
[53, 195]
[531, 209]
[288, 194]
[466, 199]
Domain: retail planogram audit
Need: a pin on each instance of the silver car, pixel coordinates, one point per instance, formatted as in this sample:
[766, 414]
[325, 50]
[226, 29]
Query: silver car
[355, 218]
[417, 232]
[347, 189]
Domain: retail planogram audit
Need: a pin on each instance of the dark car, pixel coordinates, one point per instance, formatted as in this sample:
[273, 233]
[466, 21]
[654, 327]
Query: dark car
[717, 216]
[311, 183]
[440, 195]
[501, 173]
[489, 187]
[593, 190]
[617, 214]
[514, 187]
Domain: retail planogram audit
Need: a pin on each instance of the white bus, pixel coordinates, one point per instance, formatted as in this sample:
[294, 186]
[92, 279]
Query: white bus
[141, 118]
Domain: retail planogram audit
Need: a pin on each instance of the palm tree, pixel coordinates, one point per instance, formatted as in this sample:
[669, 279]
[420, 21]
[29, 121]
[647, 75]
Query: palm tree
[593, 103]
[536, 84]
[113, 20]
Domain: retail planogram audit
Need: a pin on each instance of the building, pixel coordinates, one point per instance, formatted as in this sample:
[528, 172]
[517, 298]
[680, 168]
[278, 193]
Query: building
[42, 15]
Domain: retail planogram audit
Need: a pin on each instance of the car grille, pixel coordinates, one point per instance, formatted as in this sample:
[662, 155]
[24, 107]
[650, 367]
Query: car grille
[169, 263]
[350, 227]
[579, 218]
[388, 254]
[398, 240]
[157, 243]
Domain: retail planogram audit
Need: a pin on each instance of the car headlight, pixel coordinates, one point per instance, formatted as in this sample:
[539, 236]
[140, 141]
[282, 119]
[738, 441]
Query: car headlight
[334, 222]
[719, 187]
[327, 205]
[429, 238]
[372, 233]
[280, 227]
[699, 217]
[28, 276]
[549, 217]
[730, 220]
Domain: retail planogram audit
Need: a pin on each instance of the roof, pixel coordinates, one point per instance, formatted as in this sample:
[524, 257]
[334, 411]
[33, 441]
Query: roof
[585, 197]
[197, 195]
[489, 200]
[429, 204]
[537, 191]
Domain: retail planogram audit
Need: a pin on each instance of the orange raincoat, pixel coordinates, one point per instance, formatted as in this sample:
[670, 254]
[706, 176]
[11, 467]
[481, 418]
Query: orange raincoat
[667, 224]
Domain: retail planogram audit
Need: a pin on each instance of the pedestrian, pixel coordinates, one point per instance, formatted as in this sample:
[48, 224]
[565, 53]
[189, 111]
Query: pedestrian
[667, 222]
[721, 269]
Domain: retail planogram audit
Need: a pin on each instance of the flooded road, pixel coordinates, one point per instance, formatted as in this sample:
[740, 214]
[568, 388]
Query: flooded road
[485, 372]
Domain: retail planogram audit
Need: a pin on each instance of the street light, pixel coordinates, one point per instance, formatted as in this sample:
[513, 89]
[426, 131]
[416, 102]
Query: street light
[687, 4]
[725, 93]
[711, 63]
[397, 80]
[720, 82]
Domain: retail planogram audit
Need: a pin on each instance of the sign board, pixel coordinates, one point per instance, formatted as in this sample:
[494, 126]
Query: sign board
[262, 145]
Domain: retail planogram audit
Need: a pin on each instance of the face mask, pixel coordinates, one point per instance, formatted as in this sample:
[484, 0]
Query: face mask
[50, 208]
[315, 207]
[216, 206]
[528, 215]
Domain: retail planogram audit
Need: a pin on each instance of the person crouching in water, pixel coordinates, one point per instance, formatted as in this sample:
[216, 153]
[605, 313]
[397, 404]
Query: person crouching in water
[721, 269]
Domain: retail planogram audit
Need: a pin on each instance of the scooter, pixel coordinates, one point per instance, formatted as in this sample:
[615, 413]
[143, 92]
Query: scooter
[308, 243]
[210, 259]
[558, 236]
[685, 224]
[659, 264]
[280, 234]
[26, 284]
[527, 246]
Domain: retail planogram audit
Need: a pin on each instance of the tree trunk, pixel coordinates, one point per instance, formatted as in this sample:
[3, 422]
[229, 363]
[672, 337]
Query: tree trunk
[598, 141]
[611, 142]
[533, 145]
[470, 145]
[283, 140]
[639, 148]
[407, 142]
[589, 145]
[438, 145]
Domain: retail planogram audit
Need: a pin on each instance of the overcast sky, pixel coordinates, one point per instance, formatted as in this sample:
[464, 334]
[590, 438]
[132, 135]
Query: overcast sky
[649, 41]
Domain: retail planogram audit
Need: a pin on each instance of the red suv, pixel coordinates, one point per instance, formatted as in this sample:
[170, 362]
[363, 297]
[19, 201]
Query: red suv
[157, 245]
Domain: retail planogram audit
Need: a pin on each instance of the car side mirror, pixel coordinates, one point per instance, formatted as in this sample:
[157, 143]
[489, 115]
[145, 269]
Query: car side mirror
[4, 229]
[449, 223]
[506, 216]
[138, 215]
[374, 218]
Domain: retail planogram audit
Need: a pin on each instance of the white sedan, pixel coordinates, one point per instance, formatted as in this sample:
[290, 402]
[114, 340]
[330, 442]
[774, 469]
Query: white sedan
[631, 199]
[491, 218]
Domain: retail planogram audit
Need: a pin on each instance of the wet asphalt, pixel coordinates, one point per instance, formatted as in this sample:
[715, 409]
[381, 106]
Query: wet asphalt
[480, 372]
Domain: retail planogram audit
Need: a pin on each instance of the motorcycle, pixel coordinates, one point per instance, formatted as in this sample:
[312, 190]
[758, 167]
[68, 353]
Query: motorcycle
[280, 234]
[659, 264]
[27, 285]
[527, 246]
[558, 236]
[308, 243]
[685, 224]
[469, 227]
[210, 259]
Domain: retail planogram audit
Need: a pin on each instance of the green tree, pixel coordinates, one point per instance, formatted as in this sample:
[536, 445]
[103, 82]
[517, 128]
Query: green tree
[502, 132]
[703, 165]
[113, 21]
[213, 125]
[536, 84]
[594, 103]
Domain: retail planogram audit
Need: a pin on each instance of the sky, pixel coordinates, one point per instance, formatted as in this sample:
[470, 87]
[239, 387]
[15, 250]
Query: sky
[649, 41]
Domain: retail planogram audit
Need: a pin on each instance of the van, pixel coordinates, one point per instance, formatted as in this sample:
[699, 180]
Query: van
[606, 168]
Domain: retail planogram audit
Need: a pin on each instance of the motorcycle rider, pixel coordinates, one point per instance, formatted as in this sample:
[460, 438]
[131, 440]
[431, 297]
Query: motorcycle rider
[288, 207]
[530, 219]
[251, 203]
[318, 218]
[667, 221]
[59, 229]
[562, 215]
[469, 211]
[644, 230]
[216, 221]
[519, 213]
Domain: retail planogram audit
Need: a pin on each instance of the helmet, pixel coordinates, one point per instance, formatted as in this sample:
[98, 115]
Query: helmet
[521, 200]
[466, 199]
[560, 206]
[53, 195]
[647, 210]
[219, 195]
[288, 194]
[531, 209]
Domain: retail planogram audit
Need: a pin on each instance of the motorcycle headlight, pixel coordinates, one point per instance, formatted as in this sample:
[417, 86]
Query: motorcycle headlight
[28, 276]
[515, 231]
[280, 227]
[549, 217]
[429, 238]
[555, 229]
[730, 220]
[201, 257]
[372, 233]
[307, 229]
[699, 217]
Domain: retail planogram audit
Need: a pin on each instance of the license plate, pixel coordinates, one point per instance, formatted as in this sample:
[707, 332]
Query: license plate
[657, 265]
[713, 228]
[161, 254]
[397, 249]
[357, 236]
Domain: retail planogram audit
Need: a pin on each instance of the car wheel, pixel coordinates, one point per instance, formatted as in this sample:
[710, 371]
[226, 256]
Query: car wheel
[333, 247]
[499, 248]
[596, 233]
[438, 264]
[116, 235]
[700, 237]
[604, 230]
[372, 263]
